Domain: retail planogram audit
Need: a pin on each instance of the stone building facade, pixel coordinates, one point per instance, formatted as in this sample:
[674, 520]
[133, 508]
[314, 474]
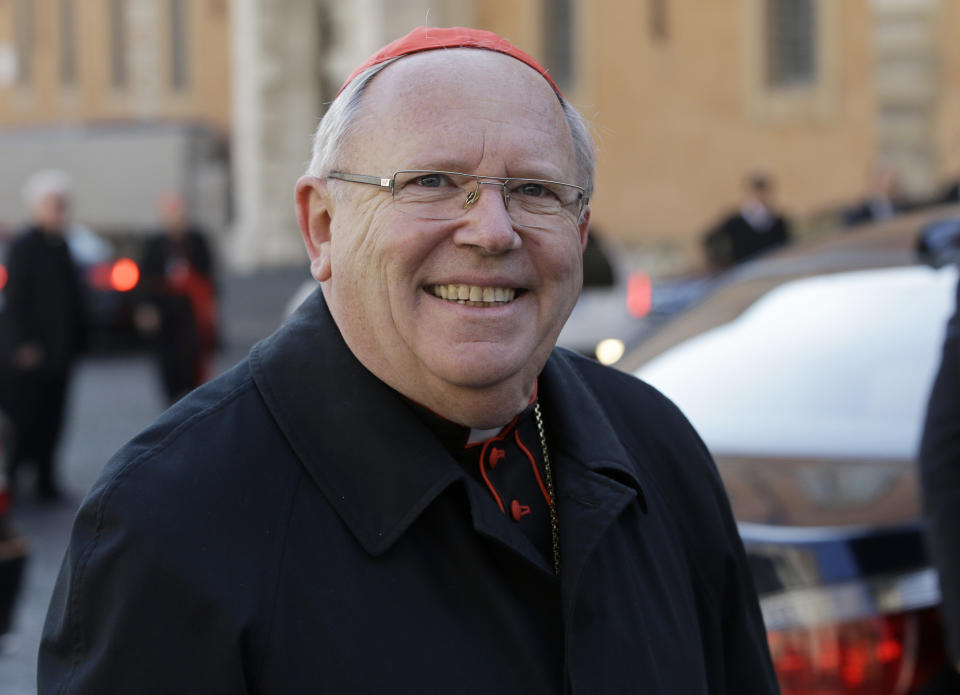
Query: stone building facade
[686, 96]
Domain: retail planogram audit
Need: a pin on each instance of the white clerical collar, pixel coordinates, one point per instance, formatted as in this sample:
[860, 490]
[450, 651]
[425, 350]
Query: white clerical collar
[757, 215]
[482, 435]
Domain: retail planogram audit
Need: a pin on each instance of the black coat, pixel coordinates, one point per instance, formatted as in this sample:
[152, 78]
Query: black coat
[295, 527]
[160, 249]
[735, 240]
[187, 308]
[43, 302]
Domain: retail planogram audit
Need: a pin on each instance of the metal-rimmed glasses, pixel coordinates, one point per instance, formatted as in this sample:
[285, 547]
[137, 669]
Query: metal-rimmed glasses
[447, 195]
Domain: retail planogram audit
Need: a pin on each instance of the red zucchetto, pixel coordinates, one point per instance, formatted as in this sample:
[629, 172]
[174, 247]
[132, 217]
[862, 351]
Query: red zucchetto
[432, 38]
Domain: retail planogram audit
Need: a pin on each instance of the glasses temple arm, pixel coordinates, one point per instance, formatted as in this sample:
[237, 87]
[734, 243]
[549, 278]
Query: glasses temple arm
[361, 178]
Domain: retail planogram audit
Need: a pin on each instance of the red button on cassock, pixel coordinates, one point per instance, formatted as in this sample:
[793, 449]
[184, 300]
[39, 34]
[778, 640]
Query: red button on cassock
[519, 510]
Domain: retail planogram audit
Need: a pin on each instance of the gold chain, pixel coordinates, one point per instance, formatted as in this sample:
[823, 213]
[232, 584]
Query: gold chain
[554, 517]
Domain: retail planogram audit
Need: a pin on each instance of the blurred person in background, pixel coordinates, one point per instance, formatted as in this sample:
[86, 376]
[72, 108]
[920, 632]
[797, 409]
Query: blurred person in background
[407, 488]
[41, 330]
[881, 201]
[179, 310]
[754, 227]
[940, 482]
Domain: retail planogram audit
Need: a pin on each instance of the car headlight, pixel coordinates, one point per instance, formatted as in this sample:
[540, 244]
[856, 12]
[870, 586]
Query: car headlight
[610, 351]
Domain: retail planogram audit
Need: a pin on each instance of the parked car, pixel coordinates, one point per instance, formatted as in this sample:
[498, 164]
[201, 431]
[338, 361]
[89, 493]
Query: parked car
[108, 281]
[807, 374]
[621, 305]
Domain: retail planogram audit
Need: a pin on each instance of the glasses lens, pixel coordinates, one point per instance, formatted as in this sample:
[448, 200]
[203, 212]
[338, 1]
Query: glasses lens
[545, 204]
[441, 195]
[431, 195]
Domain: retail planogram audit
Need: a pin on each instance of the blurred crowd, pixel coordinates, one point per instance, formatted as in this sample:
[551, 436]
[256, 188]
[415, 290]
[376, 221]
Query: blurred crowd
[757, 224]
[46, 319]
[46, 284]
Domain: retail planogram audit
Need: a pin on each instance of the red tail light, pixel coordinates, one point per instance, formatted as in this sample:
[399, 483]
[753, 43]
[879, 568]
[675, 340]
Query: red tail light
[120, 276]
[881, 655]
[639, 295]
[124, 275]
[3, 276]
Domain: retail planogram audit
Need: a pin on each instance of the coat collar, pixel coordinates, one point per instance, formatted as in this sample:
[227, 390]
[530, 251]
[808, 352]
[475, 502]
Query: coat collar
[347, 427]
[578, 420]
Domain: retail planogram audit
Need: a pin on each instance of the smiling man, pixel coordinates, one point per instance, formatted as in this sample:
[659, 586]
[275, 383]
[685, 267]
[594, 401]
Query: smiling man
[407, 488]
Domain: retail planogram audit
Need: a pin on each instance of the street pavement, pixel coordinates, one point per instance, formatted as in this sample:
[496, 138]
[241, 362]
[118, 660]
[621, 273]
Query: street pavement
[112, 398]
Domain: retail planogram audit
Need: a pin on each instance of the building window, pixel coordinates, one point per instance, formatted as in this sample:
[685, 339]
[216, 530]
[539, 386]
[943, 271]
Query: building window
[68, 43]
[791, 43]
[118, 44]
[179, 54]
[24, 38]
[559, 43]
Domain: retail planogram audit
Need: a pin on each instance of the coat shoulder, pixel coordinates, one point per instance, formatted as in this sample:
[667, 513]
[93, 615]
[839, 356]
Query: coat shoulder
[664, 449]
[201, 458]
[626, 399]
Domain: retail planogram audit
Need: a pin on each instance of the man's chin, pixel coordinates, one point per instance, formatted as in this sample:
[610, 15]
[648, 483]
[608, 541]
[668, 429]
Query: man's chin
[484, 382]
[480, 366]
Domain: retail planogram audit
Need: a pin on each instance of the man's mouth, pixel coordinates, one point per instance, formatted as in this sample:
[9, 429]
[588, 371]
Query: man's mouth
[474, 295]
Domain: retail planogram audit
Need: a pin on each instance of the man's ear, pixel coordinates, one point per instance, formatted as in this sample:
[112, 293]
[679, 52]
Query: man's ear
[584, 227]
[313, 217]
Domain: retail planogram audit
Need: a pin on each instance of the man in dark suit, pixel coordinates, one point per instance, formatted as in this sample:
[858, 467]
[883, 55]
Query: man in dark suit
[882, 200]
[754, 227]
[42, 329]
[179, 308]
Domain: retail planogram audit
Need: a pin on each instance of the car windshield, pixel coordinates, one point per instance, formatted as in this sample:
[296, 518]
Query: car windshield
[833, 365]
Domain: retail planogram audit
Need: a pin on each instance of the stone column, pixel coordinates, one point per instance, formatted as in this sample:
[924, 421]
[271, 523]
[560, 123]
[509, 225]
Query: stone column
[278, 92]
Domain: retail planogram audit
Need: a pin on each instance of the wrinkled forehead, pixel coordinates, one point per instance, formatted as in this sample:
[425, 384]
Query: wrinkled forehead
[467, 96]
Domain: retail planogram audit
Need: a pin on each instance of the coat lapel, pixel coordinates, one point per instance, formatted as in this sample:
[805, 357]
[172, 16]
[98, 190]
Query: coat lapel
[327, 404]
[348, 428]
[595, 477]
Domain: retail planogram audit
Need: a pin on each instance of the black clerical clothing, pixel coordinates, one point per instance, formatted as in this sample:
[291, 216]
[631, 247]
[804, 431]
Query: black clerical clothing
[737, 238]
[294, 526]
[43, 308]
[178, 280]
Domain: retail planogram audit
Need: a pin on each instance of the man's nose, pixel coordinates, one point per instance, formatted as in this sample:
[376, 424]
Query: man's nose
[486, 224]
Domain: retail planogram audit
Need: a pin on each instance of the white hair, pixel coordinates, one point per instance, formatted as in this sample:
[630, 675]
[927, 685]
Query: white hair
[338, 123]
[45, 183]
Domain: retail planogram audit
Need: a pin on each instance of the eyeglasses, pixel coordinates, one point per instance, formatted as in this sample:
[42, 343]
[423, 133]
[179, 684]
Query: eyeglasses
[447, 195]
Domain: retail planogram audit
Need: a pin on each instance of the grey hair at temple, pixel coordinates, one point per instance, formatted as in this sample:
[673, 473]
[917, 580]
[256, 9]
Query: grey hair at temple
[336, 125]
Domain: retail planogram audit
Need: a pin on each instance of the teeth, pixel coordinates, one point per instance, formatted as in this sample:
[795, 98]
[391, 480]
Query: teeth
[473, 295]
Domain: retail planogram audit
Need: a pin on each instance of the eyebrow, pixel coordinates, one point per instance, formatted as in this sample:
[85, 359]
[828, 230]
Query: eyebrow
[460, 167]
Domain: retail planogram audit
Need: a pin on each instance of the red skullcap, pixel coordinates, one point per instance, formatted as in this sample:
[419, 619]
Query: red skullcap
[431, 38]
